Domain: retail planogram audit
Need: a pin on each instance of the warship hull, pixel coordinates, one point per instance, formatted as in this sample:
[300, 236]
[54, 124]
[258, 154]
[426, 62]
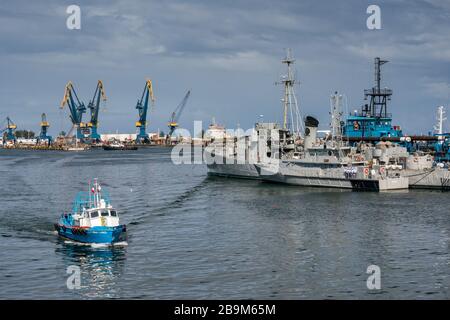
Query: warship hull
[242, 171]
[438, 179]
[310, 176]
[309, 181]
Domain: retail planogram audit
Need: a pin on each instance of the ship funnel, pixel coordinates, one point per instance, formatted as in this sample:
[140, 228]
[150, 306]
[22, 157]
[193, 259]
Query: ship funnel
[311, 125]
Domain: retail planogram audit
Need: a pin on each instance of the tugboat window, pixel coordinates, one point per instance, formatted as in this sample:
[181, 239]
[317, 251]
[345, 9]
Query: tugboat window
[104, 213]
[113, 214]
[94, 214]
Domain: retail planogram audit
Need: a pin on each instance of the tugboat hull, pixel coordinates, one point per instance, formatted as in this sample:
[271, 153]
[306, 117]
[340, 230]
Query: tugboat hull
[92, 235]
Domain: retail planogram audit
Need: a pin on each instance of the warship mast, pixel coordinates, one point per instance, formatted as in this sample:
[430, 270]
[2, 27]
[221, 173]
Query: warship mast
[439, 127]
[290, 104]
[336, 113]
[336, 124]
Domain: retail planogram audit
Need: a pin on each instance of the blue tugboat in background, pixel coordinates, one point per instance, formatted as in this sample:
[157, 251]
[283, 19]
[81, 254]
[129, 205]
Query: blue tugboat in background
[92, 220]
[373, 121]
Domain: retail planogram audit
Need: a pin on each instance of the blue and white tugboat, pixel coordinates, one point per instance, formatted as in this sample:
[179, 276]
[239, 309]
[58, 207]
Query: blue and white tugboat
[93, 219]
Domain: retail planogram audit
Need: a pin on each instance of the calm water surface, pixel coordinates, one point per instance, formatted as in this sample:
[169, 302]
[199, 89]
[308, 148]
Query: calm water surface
[194, 237]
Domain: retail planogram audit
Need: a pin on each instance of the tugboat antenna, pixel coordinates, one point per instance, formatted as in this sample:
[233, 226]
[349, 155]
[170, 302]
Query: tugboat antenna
[378, 64]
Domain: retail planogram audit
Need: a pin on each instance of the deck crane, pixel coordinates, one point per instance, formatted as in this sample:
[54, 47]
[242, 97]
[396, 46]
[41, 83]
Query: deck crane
[44, 126]
[94, 106]
[9, 129]
[173, 123]
[76, 107]
[142, 106]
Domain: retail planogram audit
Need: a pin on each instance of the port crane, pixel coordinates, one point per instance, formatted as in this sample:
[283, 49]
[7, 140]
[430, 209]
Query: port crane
[142, 106]
[94, 106]
[44, 127]
[173, 123]
[9, 129]
[76, 107]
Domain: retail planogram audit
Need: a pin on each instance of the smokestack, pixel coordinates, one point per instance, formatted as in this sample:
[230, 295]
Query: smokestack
[311, 125]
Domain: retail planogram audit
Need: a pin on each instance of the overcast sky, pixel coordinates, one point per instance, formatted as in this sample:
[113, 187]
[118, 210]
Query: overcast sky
[227, 52]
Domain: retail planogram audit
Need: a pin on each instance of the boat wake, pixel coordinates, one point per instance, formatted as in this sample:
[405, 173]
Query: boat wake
[40, 231]
[177, 203]
[120, 244]
[97, 245]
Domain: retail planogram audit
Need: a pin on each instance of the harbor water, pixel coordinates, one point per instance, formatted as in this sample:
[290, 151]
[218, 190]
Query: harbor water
[191, 236]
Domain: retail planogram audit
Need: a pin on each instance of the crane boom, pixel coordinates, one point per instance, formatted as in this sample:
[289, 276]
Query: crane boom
[76, 107]
[173, 123]
[94, 106]
[142, 106]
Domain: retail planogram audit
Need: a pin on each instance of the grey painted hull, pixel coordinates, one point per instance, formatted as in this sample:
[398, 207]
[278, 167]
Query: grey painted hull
[243, 171]
[301, 175]
[310, 176]
[435, 179]
[309, 181]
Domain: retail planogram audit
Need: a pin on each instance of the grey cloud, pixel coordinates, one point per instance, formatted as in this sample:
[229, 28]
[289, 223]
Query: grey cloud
[228, 52]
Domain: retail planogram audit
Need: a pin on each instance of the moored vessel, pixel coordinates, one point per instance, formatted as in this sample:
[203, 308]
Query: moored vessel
[333, 162]
[238, 156]
[118, 146]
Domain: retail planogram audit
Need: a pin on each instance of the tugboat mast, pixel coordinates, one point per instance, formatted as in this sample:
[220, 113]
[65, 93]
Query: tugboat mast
[378, 97]
[373, 122]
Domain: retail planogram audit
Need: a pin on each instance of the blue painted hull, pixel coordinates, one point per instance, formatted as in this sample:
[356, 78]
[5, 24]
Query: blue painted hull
[92, 235]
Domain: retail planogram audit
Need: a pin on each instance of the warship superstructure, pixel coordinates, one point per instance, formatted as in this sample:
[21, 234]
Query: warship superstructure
[334, 162]
[237, 156]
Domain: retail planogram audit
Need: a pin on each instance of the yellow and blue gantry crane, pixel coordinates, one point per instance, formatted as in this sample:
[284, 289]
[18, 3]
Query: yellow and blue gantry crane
[94, 106]
[76, 108]
[10, 128]
[142, 106]
[44, 128]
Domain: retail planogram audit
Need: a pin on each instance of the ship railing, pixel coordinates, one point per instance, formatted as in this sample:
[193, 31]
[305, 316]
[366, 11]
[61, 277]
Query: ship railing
[85, 199]
[367, 115]
[378, 92]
